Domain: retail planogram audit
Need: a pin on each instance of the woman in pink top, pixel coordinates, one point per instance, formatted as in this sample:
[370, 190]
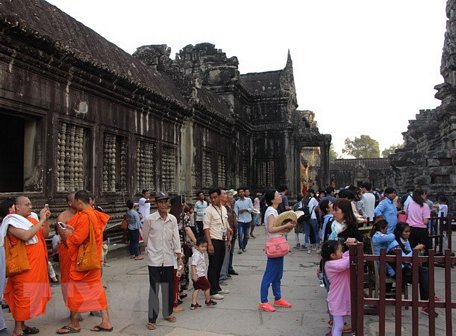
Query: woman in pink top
[418, 213]
[337, 271]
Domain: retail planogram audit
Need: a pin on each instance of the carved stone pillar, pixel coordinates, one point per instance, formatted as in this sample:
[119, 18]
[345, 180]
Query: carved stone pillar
[70, 158]
[145, 167]
[168, 169]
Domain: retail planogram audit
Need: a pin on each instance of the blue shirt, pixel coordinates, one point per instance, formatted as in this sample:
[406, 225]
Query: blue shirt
[387, 209]
[380, 240]
[245, 216]
[134, 222]
[394, 244]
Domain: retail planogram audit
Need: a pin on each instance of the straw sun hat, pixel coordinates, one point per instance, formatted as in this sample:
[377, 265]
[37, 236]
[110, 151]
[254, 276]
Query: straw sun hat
[285, 217]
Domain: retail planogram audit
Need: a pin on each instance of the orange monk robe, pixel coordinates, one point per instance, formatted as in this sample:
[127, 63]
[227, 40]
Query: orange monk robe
[85, 289]
[64, 263]
[28, 293]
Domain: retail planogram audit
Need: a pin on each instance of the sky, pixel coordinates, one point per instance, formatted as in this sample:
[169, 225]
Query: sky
[362, 66]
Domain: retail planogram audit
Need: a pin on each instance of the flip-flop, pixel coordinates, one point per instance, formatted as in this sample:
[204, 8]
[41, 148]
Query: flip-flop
[100, 328]
[171, 318]
[30, 330]
[68, 330]
[151, 326]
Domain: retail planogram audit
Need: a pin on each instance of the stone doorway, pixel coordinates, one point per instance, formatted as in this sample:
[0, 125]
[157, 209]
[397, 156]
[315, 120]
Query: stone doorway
[19, 169]
[309, 168]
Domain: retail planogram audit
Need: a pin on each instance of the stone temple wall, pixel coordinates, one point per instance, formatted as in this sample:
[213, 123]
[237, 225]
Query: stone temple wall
[79, 112]
[428, 158]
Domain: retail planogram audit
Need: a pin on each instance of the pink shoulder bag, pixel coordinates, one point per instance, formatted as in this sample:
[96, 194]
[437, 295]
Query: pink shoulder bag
[276, 247]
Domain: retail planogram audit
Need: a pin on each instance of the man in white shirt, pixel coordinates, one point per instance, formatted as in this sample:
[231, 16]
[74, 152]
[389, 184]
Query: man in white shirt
[367, 201]
[200, 207]
[217, 233]
[161, 236]
[144, 205]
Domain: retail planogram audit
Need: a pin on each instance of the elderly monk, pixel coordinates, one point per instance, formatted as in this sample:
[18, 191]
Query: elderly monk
[85, 290]
[27, 293]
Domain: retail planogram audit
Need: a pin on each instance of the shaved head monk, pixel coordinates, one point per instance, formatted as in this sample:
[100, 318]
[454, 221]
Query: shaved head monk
[67, 218]
[27, 293]
[85, 292]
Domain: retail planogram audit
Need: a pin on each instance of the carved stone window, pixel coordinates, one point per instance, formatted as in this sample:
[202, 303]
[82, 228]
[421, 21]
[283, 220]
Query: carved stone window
[221, 171]
[207, 170]
[440, 179]
[265, 173]
[145, 167]
[114, 163]
[168, 169]
[72, 157]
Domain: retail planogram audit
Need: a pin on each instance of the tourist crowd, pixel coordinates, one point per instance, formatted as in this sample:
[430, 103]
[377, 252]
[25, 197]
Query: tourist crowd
[192, 246]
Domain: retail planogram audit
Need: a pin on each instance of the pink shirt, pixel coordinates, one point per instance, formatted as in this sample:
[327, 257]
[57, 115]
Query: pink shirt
[338, 274]
[417, 215]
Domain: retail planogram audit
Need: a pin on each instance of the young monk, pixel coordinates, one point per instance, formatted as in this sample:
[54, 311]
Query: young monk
[85, 289]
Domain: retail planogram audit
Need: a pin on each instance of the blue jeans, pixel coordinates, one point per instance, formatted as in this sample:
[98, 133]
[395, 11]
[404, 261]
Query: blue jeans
[243, 234]
[272, 276]
[256, 219]
[307, 225]
[133, 237]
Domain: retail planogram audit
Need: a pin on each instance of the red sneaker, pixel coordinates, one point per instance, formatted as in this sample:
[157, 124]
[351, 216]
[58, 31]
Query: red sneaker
[266, 307]
[282, 303]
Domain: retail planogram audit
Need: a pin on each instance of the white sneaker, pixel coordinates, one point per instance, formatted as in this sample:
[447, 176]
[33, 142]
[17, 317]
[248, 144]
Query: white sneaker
[224, 291]
[217, 297]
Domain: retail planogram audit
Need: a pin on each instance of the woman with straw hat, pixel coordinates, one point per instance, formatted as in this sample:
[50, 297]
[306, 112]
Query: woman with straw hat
[274, 266]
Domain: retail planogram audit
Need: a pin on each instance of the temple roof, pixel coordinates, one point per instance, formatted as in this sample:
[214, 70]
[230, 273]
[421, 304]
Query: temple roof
[262, 83]
[46, 22]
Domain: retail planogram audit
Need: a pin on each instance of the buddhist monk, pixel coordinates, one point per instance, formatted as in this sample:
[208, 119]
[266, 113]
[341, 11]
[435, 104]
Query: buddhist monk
[85, 291]
[66, 217]
[27, 293]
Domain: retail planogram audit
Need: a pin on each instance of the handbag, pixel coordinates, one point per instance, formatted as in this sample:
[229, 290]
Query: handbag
[88, 258]
[402, 217]
[124, 223]
[16, 258]
[276, 247]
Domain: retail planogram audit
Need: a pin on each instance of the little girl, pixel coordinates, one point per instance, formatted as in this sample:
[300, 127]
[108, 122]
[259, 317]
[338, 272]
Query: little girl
[336, 265]
[199, 278]
[379, 236]
[402, 234]
[326, 212]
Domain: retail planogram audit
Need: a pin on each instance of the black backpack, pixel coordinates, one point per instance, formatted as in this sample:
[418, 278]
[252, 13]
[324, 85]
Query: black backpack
[304, 208]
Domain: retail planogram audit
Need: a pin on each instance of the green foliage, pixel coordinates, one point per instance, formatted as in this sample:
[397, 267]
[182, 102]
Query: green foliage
[363, 147]
[390, 150]
[332, 153]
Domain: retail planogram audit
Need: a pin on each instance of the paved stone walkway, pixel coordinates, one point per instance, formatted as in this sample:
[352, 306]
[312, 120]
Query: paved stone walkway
[127, 290]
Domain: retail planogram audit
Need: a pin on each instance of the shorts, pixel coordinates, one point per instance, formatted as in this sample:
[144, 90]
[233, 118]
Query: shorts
[202, 283]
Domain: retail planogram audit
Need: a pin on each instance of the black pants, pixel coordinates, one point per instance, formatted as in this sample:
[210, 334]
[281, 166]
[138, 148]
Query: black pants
[230, 264]
[160, 275]
[215, 265]
[199, 228]
[423, 280]
[420, 236]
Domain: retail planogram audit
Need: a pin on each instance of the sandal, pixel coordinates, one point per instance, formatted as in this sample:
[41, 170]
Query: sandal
[99, 328]
[151, 326]
[68, 330]
[171, 318]
[30, 330]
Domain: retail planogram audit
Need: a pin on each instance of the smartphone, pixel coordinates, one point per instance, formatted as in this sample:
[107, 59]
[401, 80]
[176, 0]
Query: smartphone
[46, 205]
[61, 225]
